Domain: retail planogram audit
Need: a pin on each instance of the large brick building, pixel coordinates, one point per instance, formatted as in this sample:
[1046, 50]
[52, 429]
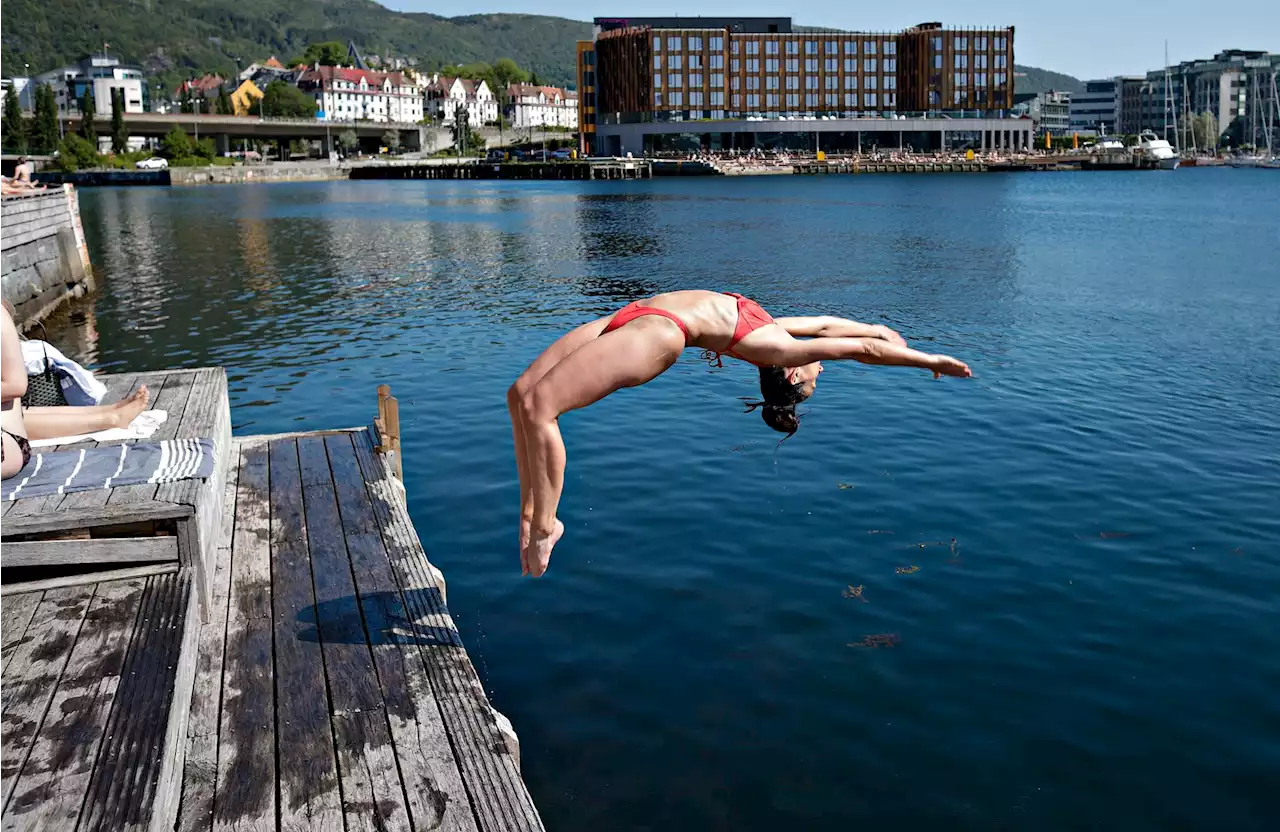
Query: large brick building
[659, 71]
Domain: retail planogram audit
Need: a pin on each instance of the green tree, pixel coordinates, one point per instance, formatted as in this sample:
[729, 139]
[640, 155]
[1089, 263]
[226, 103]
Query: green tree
[391, 140]
[176, 144]
[76, 152]
[15, 126]
[298, 147]
[224, 107]
[88, 111]
[119, 133]
[1206, 131]
[533, 79]
[348, 141]
[281, 99]
[329, 53]
[205, 148]
[46, 119]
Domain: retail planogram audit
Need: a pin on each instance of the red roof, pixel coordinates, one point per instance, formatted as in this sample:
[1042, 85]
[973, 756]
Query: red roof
[326, 75]
[204, 84]
[522, 90]
[273, 63]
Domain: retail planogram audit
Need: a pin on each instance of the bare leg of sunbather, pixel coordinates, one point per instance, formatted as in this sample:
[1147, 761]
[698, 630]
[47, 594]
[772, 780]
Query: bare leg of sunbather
[52, 422]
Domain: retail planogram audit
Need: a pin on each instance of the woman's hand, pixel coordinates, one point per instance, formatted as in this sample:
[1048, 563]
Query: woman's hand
[884, 333]
[945, 365]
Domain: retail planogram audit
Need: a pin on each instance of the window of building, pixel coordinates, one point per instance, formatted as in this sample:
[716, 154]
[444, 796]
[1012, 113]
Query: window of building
[735, 82]
[657, 62]
[793, 100]
[851, 99]
[1002, 61]
[810, 64]
[657, 80]
[891, 47]
[960, 79]
[771, 47]
[831, 99]
[980, 79]
[657, 43]
[851, 82]
[793, 47]
[716, 43]
[753, 100]
[657, 99]
[831, 82]
[771, 82]
[850, 64]
[831, 47]
[850, 47]
[695, 99]
[890, 64]
[936, 44]
[673, 43]
[771, 100]
[870, 65]
[735, 65]
[734, 46]
[957, 97]
[753, 83]
[695, 79]
[793, 64]
[869, 82]
[793, 83]
[1001, 79]
[962, 61]
[753, 47]
[811, 100]
[961, 42]
[1001, 44]
[717, 80]
[811, 82]
[716, 62]
[735, 101]
[753, 64]
[831, 65]
[811, 47]
[869, 47]
[695, 62]
[675, 99]
[870, 100]
[979, 61]
[675, 79]
[980, 43]
[717, 99]
[695, 45]
[770, 64]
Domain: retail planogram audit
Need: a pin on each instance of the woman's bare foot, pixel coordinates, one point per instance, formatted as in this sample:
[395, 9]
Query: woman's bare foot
[526, 526]
[537, 555]
[128, 408]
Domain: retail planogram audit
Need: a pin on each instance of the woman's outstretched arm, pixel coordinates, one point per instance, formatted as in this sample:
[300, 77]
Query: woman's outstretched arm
[826, 326]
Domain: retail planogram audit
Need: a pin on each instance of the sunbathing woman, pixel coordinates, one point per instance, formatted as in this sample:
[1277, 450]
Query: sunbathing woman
[645, 338]
[20, 426]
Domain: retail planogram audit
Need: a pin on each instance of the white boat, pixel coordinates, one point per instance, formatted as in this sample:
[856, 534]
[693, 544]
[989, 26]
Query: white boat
[1108, 145]
[1157, 151]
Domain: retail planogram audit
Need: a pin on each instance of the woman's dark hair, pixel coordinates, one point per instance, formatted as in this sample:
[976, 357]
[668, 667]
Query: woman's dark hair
[780, 399]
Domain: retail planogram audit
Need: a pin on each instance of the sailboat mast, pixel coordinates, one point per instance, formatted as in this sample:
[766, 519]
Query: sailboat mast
[1166, 90]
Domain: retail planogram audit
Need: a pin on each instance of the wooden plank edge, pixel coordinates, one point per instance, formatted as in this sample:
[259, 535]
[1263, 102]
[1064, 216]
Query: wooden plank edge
[94, 550]
[87, 578]
[95, 517]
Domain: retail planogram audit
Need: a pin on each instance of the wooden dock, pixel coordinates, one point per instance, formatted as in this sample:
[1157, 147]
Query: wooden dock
[584, 169]
[320, 685]
[856, 166]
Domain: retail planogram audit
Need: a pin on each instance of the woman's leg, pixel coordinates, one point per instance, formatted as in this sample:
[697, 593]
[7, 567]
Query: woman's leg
[12, 456]
[626, 357]
[70, 420]
[563, 346]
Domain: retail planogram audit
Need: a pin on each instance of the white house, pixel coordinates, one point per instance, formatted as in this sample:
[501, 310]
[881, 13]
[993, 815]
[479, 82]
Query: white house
[445, 94]
[105, 75]
[344, 94]
[533, 106]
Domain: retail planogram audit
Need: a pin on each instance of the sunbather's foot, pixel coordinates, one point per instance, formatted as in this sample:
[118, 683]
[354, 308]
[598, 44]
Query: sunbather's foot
[537, 555]
[128, 408]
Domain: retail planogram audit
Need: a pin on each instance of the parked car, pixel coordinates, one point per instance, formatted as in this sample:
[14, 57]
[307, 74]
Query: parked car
[496, 155]
[154, 163]
[541, 155]
[563, 154]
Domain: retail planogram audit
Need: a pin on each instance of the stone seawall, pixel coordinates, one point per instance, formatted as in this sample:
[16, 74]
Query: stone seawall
[241, 174]
[44, 261]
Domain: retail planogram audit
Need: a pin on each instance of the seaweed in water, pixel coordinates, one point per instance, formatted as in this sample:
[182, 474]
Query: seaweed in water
[877, 641]
[854, 592]
[906, 570]
[844, 486]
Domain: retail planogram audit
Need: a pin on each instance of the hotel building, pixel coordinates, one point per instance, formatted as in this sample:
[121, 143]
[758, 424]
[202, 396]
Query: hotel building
[653, 84]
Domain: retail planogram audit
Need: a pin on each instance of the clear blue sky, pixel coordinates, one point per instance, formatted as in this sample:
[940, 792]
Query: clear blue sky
[1085, 39]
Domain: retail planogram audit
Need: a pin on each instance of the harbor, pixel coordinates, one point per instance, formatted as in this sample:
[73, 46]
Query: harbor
[268, 647]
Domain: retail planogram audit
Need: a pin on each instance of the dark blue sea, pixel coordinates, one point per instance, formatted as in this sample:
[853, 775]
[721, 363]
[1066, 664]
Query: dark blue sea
[1068, 565]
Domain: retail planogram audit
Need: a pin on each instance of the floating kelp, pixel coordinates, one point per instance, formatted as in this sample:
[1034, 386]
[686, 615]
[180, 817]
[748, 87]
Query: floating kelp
[906, 570]
[854, 592]
[877, 641]
[844, 486]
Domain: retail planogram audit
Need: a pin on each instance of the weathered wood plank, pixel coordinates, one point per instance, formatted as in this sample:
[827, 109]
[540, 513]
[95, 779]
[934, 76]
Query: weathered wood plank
[373, 796]
[122, 788]
[168, 788]
[100, 550]
[52, 788]
[481, 738]
[200, 771]
[31, 675]
[172, 399]
[80, 518]
[88, 578]
[245, 796]
[309, 794]
[17, 613]
[433, 782]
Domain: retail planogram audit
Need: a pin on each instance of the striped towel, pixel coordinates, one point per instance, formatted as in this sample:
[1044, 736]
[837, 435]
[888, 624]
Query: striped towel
[108, 466]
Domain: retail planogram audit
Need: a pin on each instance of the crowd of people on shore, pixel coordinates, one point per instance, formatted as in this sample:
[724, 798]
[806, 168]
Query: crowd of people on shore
[22, 182]
[757, 160]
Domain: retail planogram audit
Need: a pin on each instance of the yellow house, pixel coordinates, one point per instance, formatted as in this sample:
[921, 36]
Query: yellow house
[244, 96]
